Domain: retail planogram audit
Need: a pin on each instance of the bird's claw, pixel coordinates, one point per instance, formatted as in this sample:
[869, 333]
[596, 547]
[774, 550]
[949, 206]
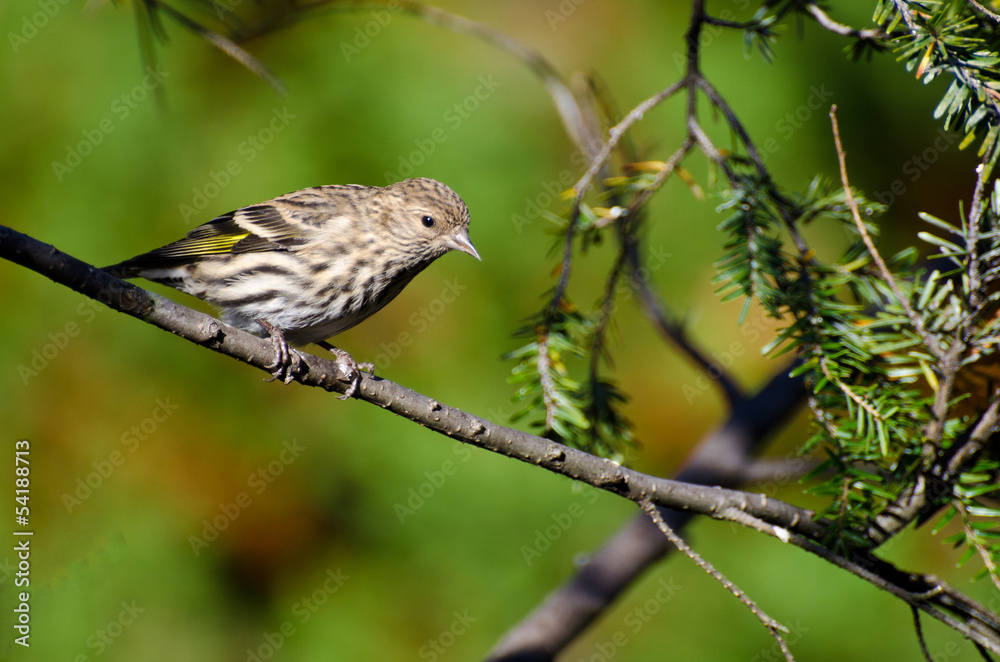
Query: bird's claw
[287, 361]
[349, 367]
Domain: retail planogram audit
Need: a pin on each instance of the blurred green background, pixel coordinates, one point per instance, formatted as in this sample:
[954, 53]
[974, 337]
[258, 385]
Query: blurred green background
[359, 535]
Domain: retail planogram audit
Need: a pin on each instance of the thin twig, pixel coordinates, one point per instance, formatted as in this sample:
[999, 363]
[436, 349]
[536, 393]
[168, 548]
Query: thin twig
[972, 240]
[972, 539]
[773, 626]
[861, 402]
[985, 10]
[224, 44]
[918, 324]
[657, 313]
[735, 124]
[915, 503]
[615, 134]
[868, 34]
[925, 592]
[723, 23]
[618, 131]
[904, 11]
[948, 368]
[607, 310]
[717, 459]
[669, 167]
[919, 629]
[545, 378]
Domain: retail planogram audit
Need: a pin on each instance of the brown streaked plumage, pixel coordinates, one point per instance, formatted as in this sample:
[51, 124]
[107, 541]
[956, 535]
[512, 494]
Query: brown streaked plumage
[312, 263]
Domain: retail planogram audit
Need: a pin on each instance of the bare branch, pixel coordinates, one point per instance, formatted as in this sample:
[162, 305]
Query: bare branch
[928, 593]
[773, 626]
[918, 324]
[597, 162]
[930, 489]
[868, 34]
[718, 459]
[984, 554]
[919, 629]
[973, 268]
[220, 42]
[993, 15]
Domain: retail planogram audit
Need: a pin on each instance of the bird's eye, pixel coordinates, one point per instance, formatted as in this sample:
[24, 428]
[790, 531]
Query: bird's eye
[428, 221]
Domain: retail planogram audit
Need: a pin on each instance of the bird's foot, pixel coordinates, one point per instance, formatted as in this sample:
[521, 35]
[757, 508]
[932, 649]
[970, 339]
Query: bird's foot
[349, 367]
[286, 360]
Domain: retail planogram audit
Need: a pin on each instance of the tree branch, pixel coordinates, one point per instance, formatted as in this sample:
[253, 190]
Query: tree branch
[718, 459]
[449, 421]
[868, 34]
[773, 627]
[929, 341]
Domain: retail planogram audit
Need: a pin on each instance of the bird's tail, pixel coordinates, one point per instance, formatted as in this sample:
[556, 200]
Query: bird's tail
[123, 270]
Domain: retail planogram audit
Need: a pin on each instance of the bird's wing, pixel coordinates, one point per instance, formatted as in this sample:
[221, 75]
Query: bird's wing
[249, 230]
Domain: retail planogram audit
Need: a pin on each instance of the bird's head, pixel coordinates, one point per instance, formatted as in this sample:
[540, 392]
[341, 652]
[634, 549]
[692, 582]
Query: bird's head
[427, 219]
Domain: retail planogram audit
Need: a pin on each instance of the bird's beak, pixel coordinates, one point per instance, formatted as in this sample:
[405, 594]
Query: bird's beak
[460, 242]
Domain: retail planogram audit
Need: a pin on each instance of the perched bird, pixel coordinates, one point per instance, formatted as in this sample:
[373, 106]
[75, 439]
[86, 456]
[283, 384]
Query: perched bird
[310, 264]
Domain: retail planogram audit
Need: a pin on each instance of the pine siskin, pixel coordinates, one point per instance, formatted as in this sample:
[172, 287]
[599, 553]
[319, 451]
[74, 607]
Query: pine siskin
[310, 264]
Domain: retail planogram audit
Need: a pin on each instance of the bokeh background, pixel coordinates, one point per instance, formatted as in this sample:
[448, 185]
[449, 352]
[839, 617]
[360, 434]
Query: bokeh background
[343, 531]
